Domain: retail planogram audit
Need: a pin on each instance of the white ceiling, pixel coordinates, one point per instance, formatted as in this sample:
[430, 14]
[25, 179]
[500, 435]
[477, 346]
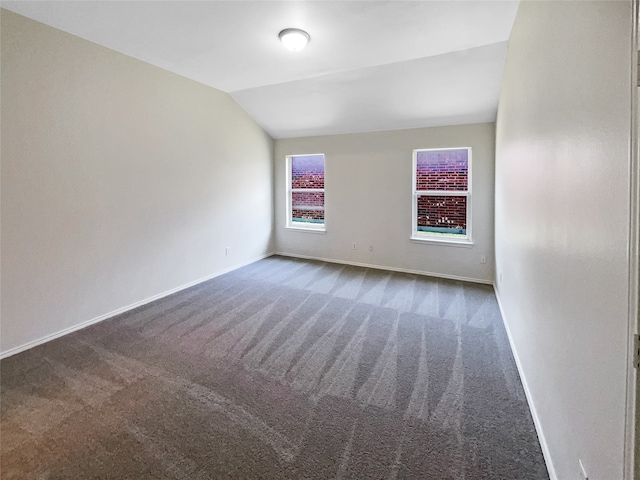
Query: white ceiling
[370, 65]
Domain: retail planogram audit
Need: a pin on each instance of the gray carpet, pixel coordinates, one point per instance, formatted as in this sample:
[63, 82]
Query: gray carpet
[284, 369]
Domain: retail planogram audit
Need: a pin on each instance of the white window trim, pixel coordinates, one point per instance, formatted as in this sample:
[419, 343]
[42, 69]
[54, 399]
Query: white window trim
[425, 237]
[297, 226]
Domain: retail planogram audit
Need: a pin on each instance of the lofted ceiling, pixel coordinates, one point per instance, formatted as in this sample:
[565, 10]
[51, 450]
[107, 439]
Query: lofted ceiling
[370, 65]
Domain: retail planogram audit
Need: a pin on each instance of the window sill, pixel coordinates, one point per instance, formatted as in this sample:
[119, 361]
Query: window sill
[321, 231]
[438, 241]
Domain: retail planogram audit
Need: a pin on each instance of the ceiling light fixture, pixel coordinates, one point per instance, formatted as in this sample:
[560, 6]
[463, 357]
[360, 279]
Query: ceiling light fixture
[294, 39]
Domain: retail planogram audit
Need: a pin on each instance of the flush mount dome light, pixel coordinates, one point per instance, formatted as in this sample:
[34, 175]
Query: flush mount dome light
[294, 39]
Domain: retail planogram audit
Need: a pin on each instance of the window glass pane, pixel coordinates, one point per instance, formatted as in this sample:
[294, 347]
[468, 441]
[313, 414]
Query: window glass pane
[307, 171]
[442, 215]
[442, 169]
[307, 207]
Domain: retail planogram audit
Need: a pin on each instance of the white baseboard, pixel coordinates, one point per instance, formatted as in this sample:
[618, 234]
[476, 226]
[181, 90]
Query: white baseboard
[546, 453]
[391, 269]
[100, 318]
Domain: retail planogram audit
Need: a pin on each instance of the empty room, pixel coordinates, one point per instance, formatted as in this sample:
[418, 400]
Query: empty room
[319, 240]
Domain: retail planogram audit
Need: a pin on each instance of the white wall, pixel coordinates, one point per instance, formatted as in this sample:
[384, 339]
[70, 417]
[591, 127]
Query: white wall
[120, 181]
[368, 200]
[562, 223]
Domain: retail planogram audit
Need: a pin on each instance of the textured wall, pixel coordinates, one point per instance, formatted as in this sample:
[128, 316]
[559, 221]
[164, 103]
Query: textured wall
[120, 181]
[562, 223]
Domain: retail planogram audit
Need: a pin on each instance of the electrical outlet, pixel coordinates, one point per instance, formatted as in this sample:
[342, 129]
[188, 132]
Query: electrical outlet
[500, 277]
[483, 259]
[227, 250]
[355, 245]
[583, 470]
[371, 248]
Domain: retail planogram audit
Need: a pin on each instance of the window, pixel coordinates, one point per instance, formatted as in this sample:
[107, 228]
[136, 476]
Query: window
[305, 192]
[442, 195]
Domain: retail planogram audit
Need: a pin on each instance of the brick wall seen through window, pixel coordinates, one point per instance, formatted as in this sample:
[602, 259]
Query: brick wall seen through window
[306, 191]
[441, 194]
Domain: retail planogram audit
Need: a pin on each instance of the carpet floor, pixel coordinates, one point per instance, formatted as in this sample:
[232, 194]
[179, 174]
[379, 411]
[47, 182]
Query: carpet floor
[283, 369]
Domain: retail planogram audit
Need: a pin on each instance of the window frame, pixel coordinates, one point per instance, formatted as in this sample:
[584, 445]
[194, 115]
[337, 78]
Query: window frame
[302, 226]
[426, 237]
